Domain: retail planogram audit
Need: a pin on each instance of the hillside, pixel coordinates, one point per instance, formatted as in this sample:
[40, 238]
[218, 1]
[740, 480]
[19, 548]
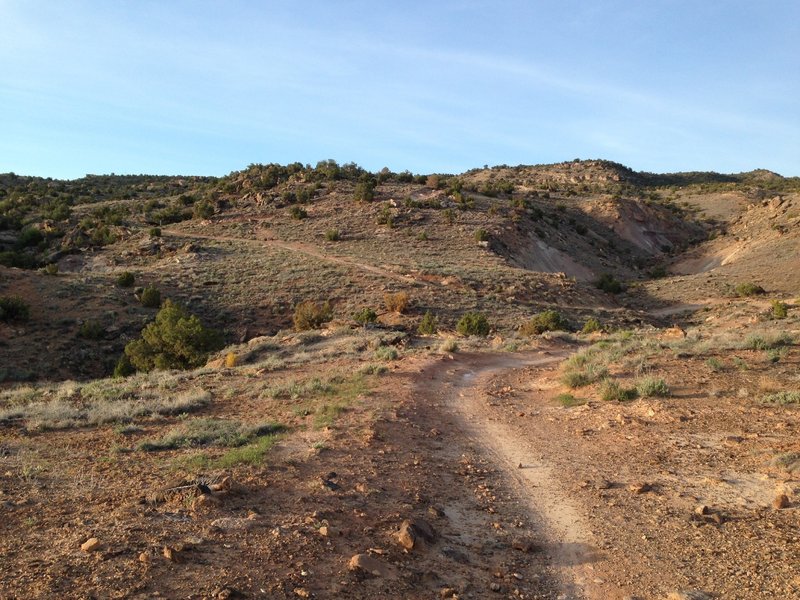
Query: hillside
[623, 424]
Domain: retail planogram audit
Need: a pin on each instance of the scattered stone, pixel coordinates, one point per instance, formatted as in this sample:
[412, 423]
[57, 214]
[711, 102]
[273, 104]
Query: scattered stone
[495, 587]
[326, 531]
[436, 512]
[143, 557]
[640, 488]
[781, 501]
[448, 592]
[525, 545]
[170, 553]
[301, 593]
[689, 595]
[412, 531]
[233, 523]
[367, 565]
[702, 510]
[90, 545]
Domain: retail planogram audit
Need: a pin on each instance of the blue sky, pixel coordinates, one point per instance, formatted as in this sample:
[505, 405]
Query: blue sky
[194, 87]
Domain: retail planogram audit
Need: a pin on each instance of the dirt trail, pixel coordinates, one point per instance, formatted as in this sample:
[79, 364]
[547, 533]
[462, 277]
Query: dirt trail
[461, 389]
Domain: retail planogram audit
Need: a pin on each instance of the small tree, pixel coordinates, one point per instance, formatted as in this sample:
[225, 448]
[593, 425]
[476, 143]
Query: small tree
[175, 340]
[429, 324]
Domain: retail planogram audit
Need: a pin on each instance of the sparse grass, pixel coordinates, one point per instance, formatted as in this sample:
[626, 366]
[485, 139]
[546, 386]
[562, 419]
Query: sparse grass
[715, 364]
[592, 325]
[209, 432]
[96, 404]
[386, 353]
[568, 400]
[449, 345]
[333, 235]
[652, 387]
[612, 391]
[583, 376]
[788, 461]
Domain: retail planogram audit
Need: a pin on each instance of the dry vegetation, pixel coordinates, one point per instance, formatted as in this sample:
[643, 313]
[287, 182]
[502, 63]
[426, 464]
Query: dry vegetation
[365, 359]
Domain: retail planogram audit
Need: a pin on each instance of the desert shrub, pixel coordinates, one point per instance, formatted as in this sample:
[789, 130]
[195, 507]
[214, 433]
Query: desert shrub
[175, 340]
[481, 235]
[652, 387]
[768, 342]
[386, 353]
[126, 279]
[592, 325]
[155, 232]
[658, 272]
[13, 308]
[29, 236]
[473, 323]
[608, 283]
[749, 289]
[549, 320]
[780, 310]
[396, 301]
[611, 391]
[150, 297]
[51, 269]
[449, 216]
[91, 330]
[385, 217]
[449, 345]
[783, 398]
[581, 229]
[422, 236]
[366, 316]
[715, 364]
[365, 191]
[429, 324]
[311, 315]
[203, 209]
[298, 212]
[20, 260]
[231, 359]
[333, 235]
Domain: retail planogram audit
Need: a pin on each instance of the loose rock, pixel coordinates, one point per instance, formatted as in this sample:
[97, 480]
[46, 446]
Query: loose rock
[90, 545]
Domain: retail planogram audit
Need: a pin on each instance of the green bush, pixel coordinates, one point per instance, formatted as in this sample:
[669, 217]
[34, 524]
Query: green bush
[429, 324]
[365, 191]
[123, 367]
[311, 315]
[126, 279]
[780, 310]
[591, 326]
[30, 236]
[333, 235]
[749, 289]
[609, 284]
[13, 308]
[150, 297]
[481, 235]
[298, 212]
[203, 209]
[175, 340]
[549, 320]
[91, 330]
[473, 323]
[366, 316]
[611, 391]
[155, 232]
